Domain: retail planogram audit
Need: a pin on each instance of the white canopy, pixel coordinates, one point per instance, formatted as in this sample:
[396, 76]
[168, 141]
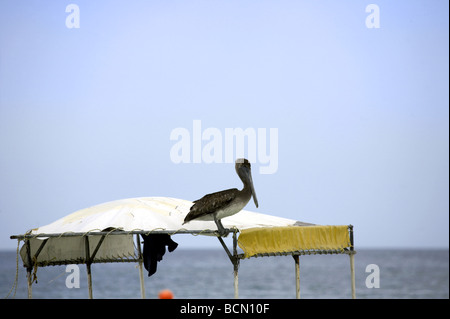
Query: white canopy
[104, 233]
[135, 214]
[151, 213]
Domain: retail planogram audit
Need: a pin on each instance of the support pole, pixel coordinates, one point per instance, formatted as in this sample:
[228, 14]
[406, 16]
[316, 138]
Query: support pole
[236, 267]
[29, 268]
[352, 261]
[234, 260]
[225, 248]
[141, 271]
[91, 258]
[88, 265]
[297, 276]
[352, 270]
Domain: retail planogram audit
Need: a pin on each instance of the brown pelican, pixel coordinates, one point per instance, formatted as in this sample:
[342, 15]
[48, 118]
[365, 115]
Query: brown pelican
[222, 204]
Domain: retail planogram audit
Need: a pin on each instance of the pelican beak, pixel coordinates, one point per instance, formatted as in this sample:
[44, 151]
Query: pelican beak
[253, 191]
[248, 174]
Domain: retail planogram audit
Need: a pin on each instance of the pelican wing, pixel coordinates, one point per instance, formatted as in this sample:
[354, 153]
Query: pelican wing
[211, 203]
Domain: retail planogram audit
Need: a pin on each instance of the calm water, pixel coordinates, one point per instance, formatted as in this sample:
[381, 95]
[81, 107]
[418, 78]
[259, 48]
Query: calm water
[209, 274]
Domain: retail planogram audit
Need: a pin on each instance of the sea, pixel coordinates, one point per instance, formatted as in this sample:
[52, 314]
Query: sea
[208, 274]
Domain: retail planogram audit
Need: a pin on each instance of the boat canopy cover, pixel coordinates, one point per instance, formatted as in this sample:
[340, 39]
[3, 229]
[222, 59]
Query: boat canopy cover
[288, 239]
[259, 233]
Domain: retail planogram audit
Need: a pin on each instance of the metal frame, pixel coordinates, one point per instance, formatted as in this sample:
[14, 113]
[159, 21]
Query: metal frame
[295, 254]
[234, 256]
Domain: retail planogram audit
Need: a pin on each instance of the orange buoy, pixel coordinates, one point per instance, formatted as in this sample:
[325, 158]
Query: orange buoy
[165, 294]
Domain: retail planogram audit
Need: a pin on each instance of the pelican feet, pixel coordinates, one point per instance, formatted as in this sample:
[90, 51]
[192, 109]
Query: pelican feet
[220, 229]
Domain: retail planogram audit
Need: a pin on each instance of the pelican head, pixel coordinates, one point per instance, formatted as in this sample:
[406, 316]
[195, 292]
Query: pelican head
[244, 171]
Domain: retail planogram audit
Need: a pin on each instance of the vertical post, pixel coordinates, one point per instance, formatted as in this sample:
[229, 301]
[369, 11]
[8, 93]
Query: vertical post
[352, 261]
[236, 267]
[297, 276]
[88, 265]
[29, 268]
[352, 270]
[234, 260]
[141, 272]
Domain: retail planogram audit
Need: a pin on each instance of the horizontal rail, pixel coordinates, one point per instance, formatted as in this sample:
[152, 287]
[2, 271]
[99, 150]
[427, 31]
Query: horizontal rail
[119, 232]
[345, 251]
[81, 261]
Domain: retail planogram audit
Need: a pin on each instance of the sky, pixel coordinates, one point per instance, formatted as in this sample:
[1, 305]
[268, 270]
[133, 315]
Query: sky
[350, 107]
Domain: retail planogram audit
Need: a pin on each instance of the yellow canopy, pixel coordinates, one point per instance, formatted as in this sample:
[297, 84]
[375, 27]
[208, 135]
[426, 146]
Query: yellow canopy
[267, 240]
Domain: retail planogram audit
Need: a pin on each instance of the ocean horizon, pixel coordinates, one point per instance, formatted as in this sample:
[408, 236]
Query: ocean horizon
[208, 274]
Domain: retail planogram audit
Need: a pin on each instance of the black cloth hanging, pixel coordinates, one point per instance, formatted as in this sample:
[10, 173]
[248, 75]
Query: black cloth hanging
[155, 248]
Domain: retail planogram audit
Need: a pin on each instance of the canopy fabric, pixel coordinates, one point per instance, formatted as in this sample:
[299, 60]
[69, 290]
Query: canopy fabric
[133, 214]
[152, 213]
[72, 250]
[254, 241]
[259, 233]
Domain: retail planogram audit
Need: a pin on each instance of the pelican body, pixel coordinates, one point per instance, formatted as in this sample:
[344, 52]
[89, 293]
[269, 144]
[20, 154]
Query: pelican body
[222, 204]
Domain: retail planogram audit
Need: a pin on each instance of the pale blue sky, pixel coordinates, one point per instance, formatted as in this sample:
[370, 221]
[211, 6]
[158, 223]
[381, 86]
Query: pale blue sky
[362, 114]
